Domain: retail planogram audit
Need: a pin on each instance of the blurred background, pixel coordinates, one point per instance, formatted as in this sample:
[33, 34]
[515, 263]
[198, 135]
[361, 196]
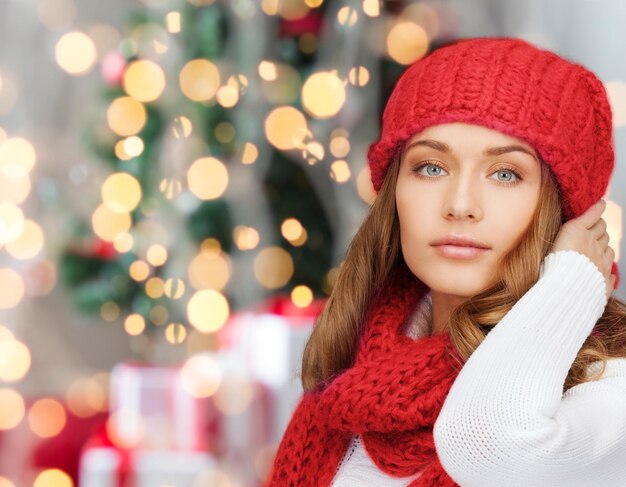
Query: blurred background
[179, 181]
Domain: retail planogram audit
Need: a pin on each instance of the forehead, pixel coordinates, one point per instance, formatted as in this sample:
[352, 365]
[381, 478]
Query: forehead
[467, 137]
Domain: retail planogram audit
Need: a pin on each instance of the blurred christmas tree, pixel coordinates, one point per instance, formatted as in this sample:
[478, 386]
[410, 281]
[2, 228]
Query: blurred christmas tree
[172, 141]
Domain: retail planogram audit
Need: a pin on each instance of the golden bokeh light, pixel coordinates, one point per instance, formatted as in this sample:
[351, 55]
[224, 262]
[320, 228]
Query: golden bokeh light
[172, 21]
[12, 222]
[120, 151]
[208, 310]
[273, 267]
[158, 315]
[347, 16]
[121, 192]
[201, 375]
[14, 189]
[126, 116]
[154, 287]
[110, 311]
[133, 146]
[139, 270]
[245, 238]
[224, 132]
[227, 96]
[209, 270]
[315, 149]
[339, 146]
[156, 255]
[11, 288]
[123, 242]
[291, 229]
[323, 94]
[29, 243]
[107, 224]
[175, 333]
[47, 417]
[371, 8]
[286, 128]
[17, 157]
[359, 76]
[144, 80]
[75, 53]
[12, 408]
[15, 360]
[86, 397]
[267, 70]
[207, 178]
[364, 186]
[170, 187]
[313, 3]
[182, 127]
[134, 324]
[250, 153]
[53, 477]
[302, 296]
[174, 288]
[199, 80]
[340, 171]
[407, 42]
[211, 245]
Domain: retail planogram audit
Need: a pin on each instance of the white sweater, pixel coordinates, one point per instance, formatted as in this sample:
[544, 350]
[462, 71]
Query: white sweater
[505, 421]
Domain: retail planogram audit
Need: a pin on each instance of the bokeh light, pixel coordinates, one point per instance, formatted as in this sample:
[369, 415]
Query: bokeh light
[208, 310]
[75, 53]
[323, 94]
[144, 80]
[273, 267]
[199, 80]
[207, 178]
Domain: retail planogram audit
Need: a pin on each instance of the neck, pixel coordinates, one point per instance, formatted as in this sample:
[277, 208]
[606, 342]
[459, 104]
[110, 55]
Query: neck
[442, 305]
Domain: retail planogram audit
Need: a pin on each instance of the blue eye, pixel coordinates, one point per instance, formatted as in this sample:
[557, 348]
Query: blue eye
[438, 168]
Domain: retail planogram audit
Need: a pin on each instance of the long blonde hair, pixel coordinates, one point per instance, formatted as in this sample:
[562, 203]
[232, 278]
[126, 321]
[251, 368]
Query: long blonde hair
[375, 251]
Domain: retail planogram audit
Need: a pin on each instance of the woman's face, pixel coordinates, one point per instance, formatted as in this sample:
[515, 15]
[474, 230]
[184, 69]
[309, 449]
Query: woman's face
[448, 183]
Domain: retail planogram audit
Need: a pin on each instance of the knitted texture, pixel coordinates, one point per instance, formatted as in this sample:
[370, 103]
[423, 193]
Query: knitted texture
[508, 84]
[391, 396]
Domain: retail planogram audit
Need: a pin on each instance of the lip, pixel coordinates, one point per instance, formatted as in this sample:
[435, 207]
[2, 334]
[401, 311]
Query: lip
[460, 241]
[459, 252]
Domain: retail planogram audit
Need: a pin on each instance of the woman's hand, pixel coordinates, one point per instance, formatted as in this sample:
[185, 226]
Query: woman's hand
[587, 234]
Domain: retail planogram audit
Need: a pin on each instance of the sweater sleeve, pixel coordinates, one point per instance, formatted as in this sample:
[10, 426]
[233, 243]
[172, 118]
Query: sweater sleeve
[506, 420]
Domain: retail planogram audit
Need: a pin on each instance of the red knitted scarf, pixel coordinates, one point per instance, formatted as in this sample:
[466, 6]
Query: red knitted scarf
[391, 397]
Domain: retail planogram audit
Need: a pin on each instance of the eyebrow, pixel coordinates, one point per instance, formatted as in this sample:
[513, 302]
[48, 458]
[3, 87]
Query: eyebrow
[490, 151]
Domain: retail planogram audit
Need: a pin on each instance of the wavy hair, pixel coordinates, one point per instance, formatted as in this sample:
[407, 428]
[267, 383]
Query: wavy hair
[375, 251]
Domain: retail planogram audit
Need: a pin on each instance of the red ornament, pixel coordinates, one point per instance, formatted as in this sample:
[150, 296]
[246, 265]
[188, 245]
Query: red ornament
[311, 23]
[112, 68]
[104, 250]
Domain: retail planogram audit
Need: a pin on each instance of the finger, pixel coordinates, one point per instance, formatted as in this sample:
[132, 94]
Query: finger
[598, 229]
[591, 216]
[604, 240]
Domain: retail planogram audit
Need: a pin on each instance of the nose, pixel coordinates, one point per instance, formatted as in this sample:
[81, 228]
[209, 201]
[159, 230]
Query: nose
[462, 200]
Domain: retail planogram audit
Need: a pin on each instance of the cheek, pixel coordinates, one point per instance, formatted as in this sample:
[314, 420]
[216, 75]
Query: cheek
[510, 222]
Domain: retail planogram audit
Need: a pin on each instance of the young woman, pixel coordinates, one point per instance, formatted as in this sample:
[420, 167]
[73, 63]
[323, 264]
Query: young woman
[471, 338]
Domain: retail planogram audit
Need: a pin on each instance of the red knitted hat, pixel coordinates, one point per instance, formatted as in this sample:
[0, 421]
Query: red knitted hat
[507, 84]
